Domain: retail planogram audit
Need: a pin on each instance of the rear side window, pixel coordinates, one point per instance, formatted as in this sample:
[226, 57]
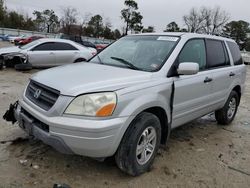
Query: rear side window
[235, 51]
[216, 54]
[194, 51]
[64, 46]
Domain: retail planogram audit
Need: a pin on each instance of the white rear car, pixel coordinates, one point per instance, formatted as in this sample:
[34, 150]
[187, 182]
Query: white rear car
[51, 52]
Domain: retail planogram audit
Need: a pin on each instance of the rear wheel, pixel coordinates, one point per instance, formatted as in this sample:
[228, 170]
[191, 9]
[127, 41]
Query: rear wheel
[139, 145]
[226, 115]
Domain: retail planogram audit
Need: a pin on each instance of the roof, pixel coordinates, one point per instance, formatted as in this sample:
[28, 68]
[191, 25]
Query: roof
[187, 35]
[54, 40]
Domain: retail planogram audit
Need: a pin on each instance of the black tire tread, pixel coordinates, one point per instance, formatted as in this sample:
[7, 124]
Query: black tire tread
[23, 67]
[221, 114]
[122, 157]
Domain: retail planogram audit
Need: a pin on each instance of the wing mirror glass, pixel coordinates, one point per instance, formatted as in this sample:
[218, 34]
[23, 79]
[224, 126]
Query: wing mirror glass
[188, 68]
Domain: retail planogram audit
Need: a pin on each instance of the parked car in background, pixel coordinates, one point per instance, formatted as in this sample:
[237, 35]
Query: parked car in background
[17, 40]
[100, 47]
[246, 57]
[4, 37]
[127, 99]
[48, 52]
[79, 40]
[29, 39]
[88, 44]
[12, 39]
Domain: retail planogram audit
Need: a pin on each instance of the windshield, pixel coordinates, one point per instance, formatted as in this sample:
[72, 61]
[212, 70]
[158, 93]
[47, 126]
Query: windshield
[147, 53]
[29, 45]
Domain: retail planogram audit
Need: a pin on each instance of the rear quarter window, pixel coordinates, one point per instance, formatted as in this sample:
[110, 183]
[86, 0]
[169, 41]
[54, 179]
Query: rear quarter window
[235, 51]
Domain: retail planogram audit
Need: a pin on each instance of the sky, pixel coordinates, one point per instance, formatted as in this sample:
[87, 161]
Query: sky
[157, 13]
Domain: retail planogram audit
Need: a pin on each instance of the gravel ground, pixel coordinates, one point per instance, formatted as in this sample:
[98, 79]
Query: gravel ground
[198, 154]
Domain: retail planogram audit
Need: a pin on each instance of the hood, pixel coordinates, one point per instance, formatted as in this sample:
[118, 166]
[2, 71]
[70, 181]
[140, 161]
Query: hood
[12, 49]
[76, 79]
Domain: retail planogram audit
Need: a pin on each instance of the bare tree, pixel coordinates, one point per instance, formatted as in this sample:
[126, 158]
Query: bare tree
[219, 19]
[69, 17]
[194, 21]
[84, 22]
[206, 20]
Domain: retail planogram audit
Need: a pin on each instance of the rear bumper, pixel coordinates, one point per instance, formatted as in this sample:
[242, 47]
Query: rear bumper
[93, 138]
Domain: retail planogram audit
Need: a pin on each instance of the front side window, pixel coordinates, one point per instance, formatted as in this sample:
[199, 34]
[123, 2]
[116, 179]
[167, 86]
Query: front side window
[194, 51]
[48, 46]
[216, 54]
[147, 53]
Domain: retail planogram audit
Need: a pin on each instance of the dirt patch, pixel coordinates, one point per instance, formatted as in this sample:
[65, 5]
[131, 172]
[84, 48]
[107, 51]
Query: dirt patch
[199, 154]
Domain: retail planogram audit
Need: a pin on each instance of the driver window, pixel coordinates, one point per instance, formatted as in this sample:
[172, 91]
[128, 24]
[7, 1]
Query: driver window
[194, 51]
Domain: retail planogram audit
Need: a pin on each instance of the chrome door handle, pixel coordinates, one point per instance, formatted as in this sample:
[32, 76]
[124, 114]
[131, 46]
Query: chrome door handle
[207, 79]
[231, 74]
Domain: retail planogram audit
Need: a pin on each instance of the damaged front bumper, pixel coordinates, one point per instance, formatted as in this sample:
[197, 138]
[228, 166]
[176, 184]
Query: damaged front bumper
[13, 58]
[87, 137]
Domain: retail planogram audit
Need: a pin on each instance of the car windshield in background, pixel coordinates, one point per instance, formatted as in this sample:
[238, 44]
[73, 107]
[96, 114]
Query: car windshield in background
[147, 53]
[29, 45]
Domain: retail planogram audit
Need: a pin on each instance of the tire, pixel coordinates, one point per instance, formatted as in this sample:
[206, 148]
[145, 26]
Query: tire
[79, 60]
[225, 115]
[23, 67]
[126, 158]
[1, 62]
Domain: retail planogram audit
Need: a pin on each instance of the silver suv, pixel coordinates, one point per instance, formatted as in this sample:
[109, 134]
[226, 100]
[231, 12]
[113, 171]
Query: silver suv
[127, 99]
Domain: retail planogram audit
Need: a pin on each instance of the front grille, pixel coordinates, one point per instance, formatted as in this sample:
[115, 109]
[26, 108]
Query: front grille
[41, 95]
[36, 122]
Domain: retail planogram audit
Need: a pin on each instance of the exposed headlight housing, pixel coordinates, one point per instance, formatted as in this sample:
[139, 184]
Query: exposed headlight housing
[96, 105]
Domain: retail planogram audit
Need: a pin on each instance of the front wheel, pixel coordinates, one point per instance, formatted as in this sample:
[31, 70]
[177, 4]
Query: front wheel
[226, 115]
[139, 145]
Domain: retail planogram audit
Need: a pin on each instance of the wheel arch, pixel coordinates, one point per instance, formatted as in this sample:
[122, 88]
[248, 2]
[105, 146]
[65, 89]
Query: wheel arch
[165, 125]
[79, 59]
[237, 89]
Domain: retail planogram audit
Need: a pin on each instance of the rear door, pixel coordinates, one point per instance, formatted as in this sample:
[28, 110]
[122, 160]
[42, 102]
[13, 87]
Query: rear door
[42, 55]
[192, 95]
[65, 53]
[218, 63]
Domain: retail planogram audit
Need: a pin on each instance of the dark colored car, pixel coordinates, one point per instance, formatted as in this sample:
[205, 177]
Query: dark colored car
[88, 44]
[29, 39]
[79, 40]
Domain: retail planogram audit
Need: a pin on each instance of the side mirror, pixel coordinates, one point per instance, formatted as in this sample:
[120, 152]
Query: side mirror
[188, 68]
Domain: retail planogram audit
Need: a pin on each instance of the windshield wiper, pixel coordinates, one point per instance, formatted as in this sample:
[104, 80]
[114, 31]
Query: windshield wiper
[125, 62]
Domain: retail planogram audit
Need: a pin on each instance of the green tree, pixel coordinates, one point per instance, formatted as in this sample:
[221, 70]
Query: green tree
[46, 20]
[96, 22]
[117, 34]
[237, 30]
[2, 12]
[150, 29]
[247, 45]
[172, 27]
[131, 17]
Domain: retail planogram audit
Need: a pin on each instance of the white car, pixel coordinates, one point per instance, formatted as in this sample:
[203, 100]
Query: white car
[50, 52]
[246, 56]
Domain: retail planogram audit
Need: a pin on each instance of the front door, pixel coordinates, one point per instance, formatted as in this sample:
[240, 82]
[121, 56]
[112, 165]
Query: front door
[192, 95]
[42, 55]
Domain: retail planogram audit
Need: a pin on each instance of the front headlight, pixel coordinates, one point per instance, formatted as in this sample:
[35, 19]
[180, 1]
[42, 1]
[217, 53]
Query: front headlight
[97, 104]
